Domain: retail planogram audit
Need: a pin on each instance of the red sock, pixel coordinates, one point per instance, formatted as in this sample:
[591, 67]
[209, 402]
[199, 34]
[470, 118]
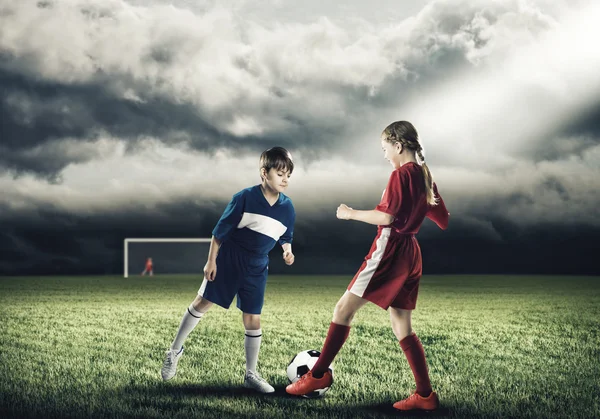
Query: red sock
[411, 345]
[336, 336]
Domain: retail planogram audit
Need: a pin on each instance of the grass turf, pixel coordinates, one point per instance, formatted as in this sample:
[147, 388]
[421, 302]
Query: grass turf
[497, 346]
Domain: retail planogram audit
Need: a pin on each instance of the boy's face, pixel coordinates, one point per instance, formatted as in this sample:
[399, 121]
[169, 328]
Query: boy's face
[276, 180]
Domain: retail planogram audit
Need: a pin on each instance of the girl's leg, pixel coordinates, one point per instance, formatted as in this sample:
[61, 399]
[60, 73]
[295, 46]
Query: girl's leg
[401, 322]
[339, 329]
[412, 347]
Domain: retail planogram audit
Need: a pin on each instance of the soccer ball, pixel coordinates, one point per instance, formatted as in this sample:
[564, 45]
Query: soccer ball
[300, 365]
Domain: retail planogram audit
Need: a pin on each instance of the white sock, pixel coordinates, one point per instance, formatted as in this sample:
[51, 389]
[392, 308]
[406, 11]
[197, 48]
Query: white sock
[188, 322]
[252, 346]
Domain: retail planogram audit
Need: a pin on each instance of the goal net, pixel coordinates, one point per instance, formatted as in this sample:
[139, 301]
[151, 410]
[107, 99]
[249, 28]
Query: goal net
[169, 255]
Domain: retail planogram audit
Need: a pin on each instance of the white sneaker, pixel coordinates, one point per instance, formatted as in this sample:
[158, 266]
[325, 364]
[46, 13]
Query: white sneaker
[256, 382]
[169, 368]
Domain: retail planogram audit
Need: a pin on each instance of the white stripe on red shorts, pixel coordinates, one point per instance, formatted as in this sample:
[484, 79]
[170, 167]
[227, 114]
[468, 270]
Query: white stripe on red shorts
[363, 279]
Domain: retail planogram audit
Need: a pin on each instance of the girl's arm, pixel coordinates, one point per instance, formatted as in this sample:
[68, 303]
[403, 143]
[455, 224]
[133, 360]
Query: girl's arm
[369, 216]
[438, 213]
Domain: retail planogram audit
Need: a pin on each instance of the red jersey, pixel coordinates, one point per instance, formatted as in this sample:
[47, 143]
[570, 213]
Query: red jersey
[148, 264]
[405, 199]
[391, 272]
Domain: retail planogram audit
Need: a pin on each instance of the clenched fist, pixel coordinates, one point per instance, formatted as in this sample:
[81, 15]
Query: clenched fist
[343, 212]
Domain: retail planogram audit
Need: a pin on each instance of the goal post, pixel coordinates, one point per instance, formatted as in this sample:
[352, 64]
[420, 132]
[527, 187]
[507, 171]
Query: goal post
[154, 240]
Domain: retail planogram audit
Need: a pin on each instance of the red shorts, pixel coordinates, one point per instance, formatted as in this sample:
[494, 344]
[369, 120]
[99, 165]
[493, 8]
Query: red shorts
[390, 274]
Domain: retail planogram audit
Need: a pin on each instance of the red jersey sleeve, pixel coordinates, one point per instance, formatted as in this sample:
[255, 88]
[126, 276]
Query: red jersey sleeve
[392, 196]
[438, 213]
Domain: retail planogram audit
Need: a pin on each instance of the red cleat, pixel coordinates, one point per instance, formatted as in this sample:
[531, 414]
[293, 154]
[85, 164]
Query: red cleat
[416, 402]
[307, 384]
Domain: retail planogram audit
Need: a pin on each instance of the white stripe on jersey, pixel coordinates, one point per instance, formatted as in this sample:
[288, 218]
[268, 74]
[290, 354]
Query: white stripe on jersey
[263, 224]
[363, 279]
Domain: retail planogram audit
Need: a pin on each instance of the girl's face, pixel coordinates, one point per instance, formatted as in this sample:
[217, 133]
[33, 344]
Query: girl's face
[276, 180]
[391, 153]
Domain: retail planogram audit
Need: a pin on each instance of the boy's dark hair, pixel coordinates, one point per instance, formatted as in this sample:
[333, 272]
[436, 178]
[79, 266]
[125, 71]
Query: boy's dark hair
[278, 158]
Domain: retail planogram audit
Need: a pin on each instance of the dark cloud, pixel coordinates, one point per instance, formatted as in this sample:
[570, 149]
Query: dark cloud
[43, 112]
[586, 123]
[52, 242]
[56, 115]
[541, 249]
[37, 110]
[49, 241]
[578, 134]
[36, 114]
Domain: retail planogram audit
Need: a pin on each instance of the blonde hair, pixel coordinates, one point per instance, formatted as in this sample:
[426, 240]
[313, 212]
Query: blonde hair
[404, 132]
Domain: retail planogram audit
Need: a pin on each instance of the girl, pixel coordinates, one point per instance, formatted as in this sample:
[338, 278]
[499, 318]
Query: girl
[389, 276]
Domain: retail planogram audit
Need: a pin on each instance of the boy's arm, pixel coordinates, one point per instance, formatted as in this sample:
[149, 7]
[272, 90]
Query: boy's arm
[286, 239]
[210, 269]
[213, 251]
[230, 218]
[288, 255]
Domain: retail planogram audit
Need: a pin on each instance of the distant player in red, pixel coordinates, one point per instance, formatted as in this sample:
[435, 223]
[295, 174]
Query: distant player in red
[389, 276]
[148, 270]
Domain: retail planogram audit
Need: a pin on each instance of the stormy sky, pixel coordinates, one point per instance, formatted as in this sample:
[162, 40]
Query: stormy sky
[142, 118]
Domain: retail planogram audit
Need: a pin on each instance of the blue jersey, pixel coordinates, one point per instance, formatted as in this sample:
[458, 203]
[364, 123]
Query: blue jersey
[251, 223]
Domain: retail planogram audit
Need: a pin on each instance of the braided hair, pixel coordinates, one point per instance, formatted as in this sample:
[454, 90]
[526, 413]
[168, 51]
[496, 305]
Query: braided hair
[404, 132]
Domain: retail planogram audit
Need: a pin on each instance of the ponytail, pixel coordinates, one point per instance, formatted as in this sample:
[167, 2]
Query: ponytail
[431, 198]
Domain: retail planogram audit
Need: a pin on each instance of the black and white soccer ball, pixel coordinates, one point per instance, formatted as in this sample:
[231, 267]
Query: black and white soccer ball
[300, 365]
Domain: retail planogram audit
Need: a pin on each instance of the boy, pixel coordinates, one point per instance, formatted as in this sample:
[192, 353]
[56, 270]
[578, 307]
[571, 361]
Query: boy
[254, 221]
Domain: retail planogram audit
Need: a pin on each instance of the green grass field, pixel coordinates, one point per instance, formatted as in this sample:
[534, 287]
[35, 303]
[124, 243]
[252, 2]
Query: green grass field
[497, 346]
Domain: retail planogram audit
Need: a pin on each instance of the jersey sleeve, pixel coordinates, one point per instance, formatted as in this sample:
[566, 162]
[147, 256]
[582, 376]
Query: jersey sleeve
[438, 213]
[288, 236]
[230, 219]
[392, 196]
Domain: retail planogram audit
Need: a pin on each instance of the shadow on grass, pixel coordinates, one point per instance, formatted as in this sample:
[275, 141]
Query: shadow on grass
[290, 405]
[210, 391]
[387, 409]
[167, 400]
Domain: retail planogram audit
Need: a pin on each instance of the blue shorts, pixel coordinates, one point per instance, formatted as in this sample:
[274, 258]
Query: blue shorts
[238, 273]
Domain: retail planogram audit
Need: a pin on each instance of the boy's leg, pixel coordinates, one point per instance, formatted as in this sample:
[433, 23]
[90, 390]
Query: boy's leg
[220, 291]
[339, 329]
[250, 301]
[189, 321]
[252, 340]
